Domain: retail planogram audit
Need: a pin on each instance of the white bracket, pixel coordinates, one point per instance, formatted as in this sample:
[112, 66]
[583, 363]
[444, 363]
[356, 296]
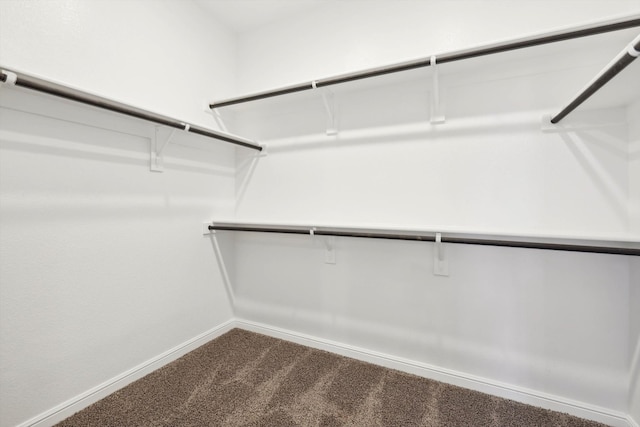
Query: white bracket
[158, 143]
[219, 120]
[11, 78]
[263, 152]
[440, 263]
[330, 250]
[631, 49]
[328, 100]
[205, 228]
[437, 113]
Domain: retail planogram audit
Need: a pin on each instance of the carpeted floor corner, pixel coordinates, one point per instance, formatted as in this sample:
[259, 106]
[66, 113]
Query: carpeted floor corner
[247, 379]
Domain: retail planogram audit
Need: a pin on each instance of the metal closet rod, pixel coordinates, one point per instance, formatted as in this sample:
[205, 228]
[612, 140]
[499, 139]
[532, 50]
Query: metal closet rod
[40, 85]
[325, 231]
[619, 63]
[426, 62]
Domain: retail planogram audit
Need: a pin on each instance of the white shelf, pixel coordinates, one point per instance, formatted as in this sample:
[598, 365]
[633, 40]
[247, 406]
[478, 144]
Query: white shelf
[591, 53]
[616, 240]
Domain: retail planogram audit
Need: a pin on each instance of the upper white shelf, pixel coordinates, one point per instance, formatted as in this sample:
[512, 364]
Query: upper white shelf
[575, 61]
[12, 77]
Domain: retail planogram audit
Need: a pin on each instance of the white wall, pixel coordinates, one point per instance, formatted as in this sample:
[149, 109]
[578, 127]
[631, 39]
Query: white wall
[166, 56]
[554, 323]
[469, 173]
[103, 265]
[634, 297]
[489, 168]
[633, 112]
[634, 340]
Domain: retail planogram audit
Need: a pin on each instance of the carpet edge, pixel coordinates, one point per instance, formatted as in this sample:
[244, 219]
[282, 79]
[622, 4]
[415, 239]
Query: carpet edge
[484, 385]
[83, 400]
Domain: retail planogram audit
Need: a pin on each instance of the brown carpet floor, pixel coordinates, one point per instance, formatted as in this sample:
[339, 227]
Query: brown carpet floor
[247, 379]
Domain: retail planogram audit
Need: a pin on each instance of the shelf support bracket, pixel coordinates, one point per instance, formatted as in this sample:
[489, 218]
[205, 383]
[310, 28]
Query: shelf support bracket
[215, 112]
[10, 79]
[219, 120]
[158, 143]
[330, 250]
[437, 113]
[328, 100]
[440, 263]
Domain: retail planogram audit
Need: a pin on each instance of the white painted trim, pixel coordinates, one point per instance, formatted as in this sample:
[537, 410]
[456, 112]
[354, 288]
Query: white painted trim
[485, 385]
[496, 388]
[77, 403]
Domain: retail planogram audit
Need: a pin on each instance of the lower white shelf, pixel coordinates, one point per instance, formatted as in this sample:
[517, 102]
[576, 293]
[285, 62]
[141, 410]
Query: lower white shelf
[615, 247]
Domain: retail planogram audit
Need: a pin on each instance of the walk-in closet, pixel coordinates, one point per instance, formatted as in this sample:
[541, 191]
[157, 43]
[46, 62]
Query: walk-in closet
[319, 213]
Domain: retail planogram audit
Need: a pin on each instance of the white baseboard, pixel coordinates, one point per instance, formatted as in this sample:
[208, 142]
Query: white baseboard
[495, 388]
[520, 394]
[73, 405]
